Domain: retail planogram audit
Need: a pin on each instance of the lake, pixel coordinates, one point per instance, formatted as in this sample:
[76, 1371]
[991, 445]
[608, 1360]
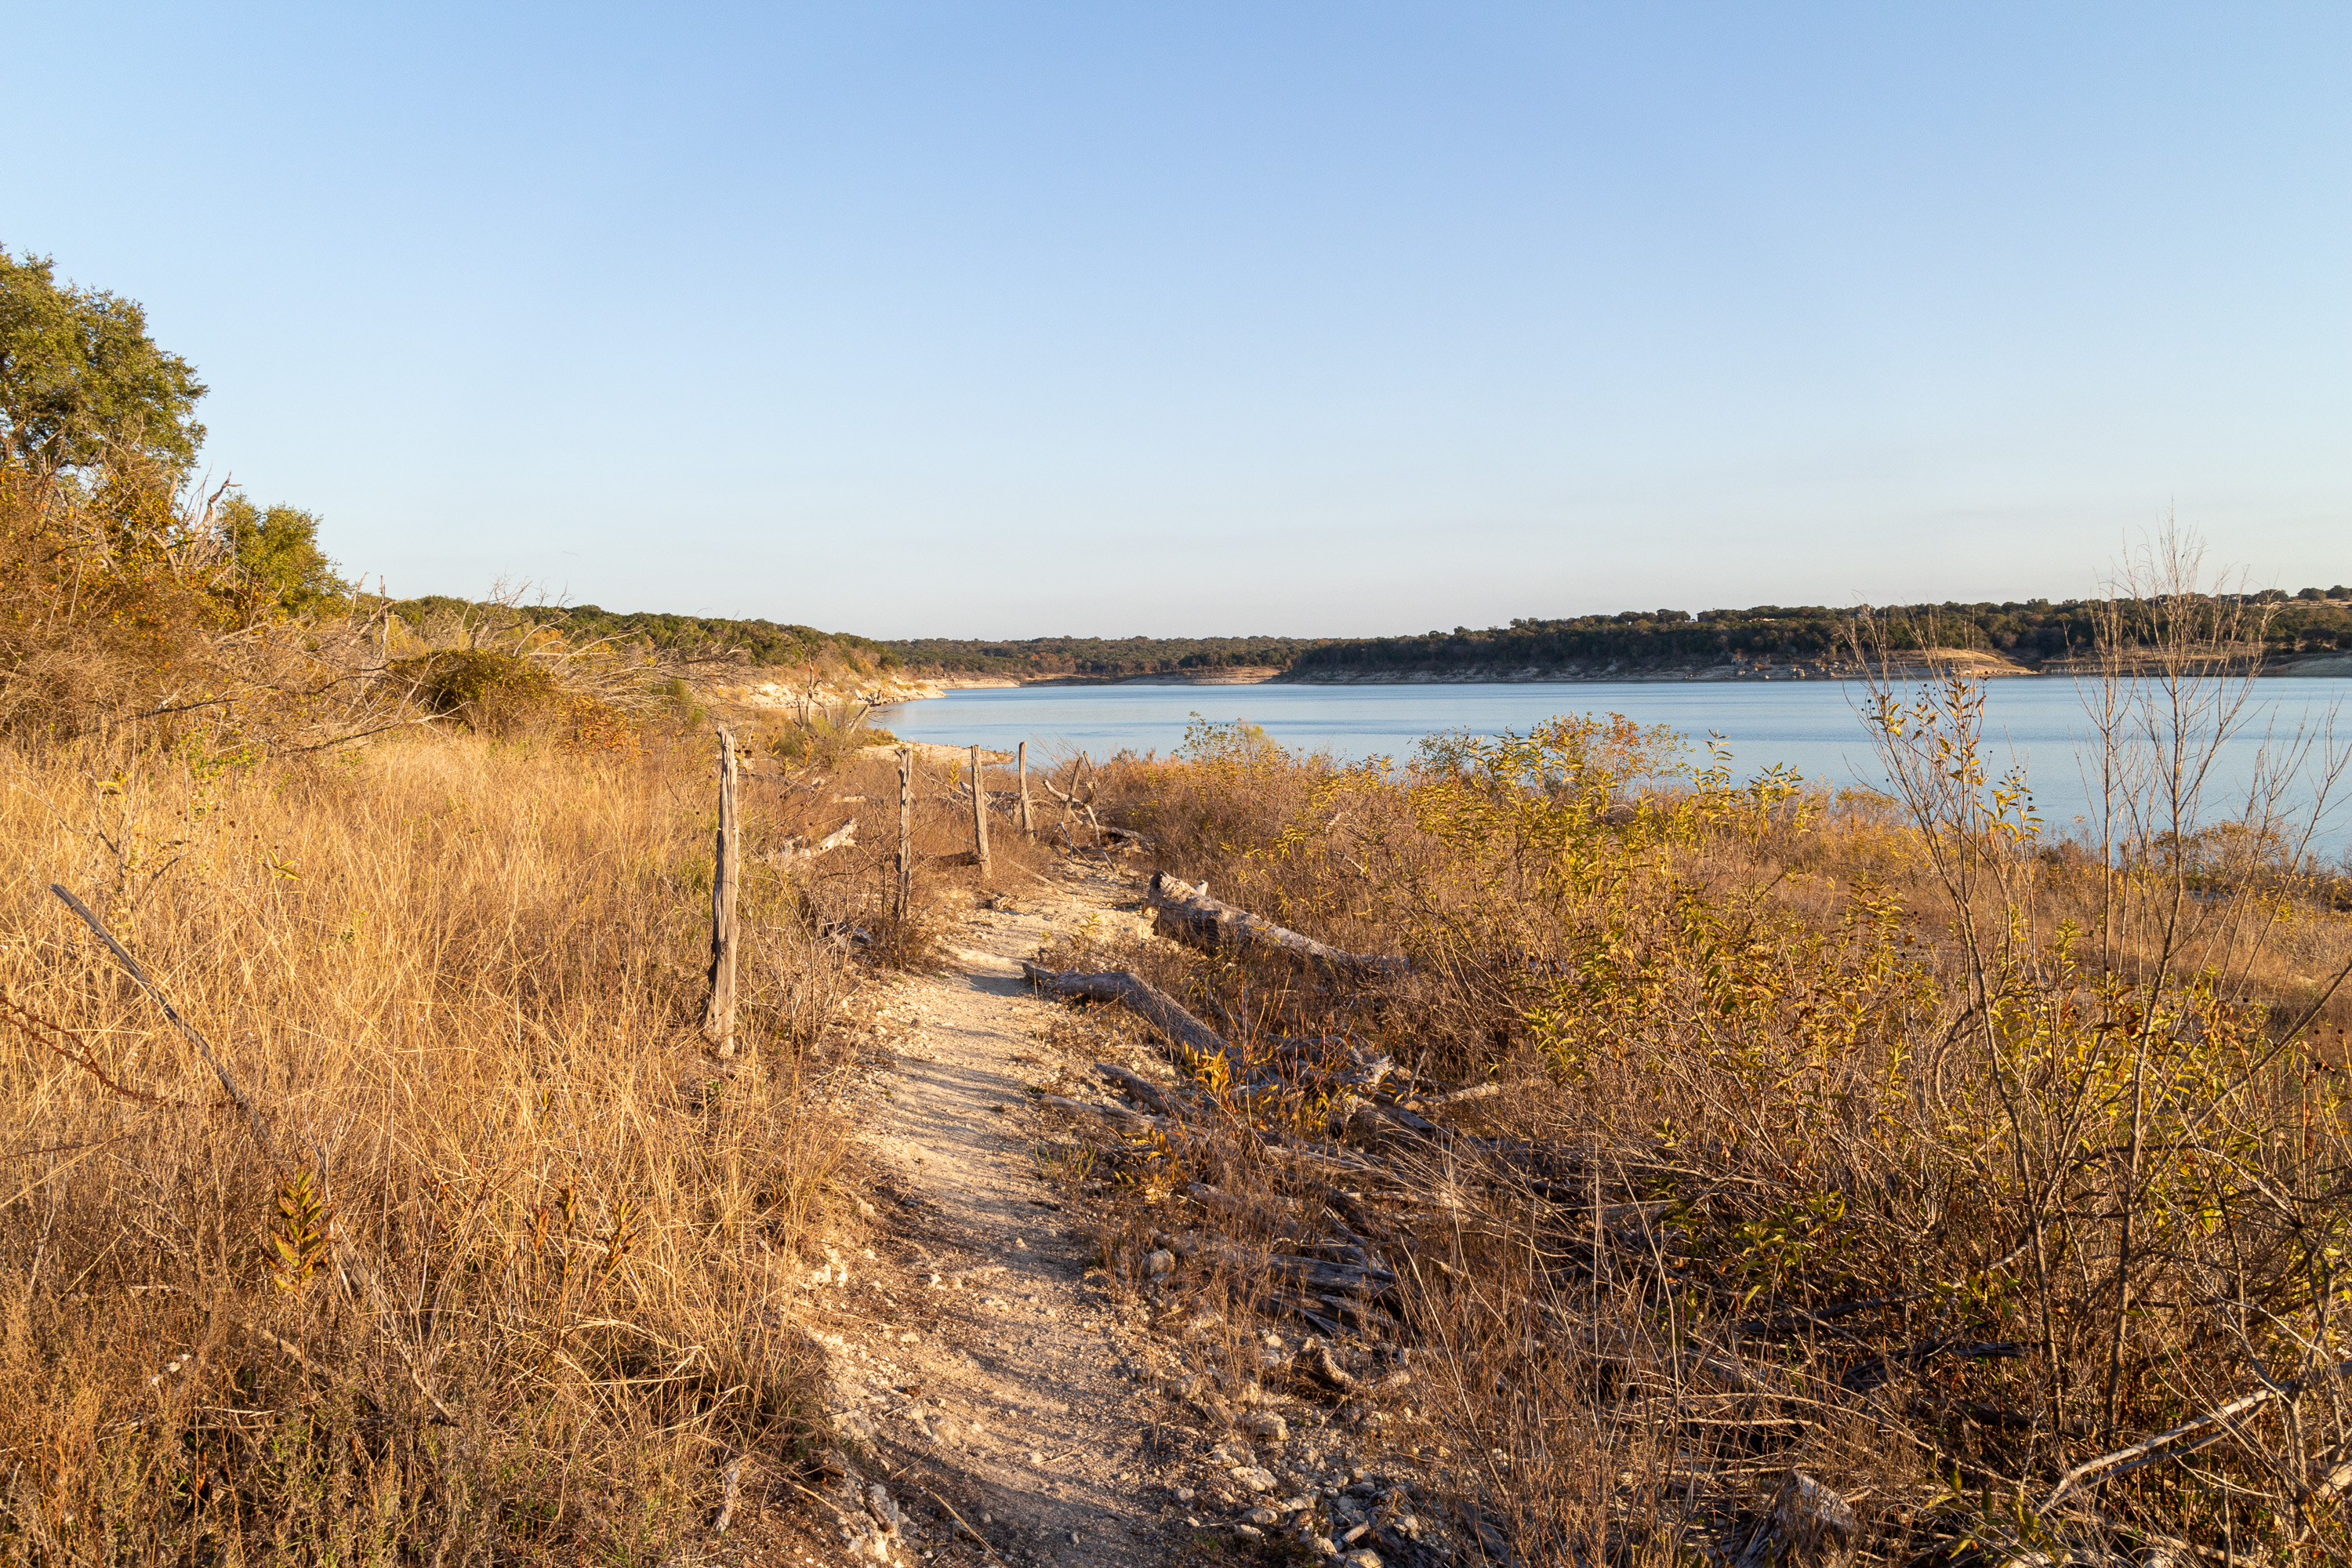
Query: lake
[1811, 726]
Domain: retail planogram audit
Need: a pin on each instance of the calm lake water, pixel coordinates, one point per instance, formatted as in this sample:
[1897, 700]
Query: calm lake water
[1810, 726]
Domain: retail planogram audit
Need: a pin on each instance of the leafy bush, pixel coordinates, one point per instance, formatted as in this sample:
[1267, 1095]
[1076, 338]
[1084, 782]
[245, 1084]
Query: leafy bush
[488, 690]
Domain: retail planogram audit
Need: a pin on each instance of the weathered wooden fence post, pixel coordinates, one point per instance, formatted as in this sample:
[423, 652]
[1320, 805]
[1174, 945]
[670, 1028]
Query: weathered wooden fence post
[906, 831]
[1021, 754]
[979, 816]
[726, 873]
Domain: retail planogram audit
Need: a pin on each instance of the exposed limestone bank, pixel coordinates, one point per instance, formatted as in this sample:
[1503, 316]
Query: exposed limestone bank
[798, 696]
[2338, 665]
[1980, 665]
[1230, 675]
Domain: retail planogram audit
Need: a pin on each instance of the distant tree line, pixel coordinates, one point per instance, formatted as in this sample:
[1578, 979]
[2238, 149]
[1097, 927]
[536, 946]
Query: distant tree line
[1045, 656]
[2033, 632]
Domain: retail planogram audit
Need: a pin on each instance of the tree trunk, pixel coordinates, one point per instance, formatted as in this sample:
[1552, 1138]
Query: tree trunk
[1021, 764]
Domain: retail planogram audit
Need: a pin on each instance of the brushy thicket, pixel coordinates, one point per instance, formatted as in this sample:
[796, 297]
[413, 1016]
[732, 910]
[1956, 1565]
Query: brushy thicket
[1998, 1184]
[486, 1272]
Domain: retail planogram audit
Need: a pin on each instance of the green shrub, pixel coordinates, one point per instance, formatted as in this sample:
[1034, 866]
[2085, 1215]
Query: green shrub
[500, 694]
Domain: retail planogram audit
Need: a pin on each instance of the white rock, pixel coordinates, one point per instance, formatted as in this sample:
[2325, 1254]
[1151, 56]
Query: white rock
[1255, 1477]
[1265, 1427]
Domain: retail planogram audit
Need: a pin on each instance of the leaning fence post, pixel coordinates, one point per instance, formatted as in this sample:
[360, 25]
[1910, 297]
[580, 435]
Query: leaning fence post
[1021, 763]
[906, 831]
[979, 816]
[718, 1017]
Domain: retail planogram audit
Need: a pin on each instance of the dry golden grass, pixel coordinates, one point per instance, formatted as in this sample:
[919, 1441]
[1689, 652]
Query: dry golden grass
[461, 982]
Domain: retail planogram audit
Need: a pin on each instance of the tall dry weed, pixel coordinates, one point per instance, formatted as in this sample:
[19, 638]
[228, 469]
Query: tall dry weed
[495, 1276]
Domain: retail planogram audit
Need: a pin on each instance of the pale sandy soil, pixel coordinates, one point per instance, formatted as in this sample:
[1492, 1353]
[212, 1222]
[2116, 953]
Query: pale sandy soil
[973, 1361]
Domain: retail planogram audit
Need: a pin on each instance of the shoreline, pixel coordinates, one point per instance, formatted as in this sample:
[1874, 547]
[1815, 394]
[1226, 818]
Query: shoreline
[1981, 666]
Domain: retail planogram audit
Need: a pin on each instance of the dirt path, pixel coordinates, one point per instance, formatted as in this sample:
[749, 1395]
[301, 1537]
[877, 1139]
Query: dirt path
[972, 1358]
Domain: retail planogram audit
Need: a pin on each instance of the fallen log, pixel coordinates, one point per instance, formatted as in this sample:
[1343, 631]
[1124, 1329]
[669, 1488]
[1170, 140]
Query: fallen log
[1810, 1527]
[1139, 1087]
[1139, 996]
[1456, 1096]
[794, 849]
[1194, 915]
[1318, 1277]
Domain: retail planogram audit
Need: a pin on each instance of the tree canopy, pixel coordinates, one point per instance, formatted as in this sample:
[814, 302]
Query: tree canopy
[279, 568]
[82, 383]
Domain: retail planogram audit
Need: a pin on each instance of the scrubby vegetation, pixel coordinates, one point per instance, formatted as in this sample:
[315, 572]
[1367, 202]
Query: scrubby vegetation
[710, 639]
[1996, 1182]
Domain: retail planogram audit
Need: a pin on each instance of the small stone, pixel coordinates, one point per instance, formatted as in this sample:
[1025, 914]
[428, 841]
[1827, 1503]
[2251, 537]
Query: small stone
[1160, 1264]
[1250, 1530]
[1263, 1516]
[1265, 1427]
[1184, 1494]
[1253, 1476]
[1360, 1560]
[1322, 1545]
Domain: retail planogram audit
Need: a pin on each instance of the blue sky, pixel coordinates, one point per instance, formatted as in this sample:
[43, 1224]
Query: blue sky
[1312, 319]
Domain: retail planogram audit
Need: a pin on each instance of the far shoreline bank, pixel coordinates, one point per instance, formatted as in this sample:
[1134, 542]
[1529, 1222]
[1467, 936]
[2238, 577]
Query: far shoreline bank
[1980, 666]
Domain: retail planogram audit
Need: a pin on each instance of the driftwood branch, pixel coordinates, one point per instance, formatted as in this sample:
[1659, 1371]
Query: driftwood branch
[1191, 913]
[1455, 1097]
[188, 1031]
[2208, 1422]
[792, 849]
[1142, 998]
[1139, 1087]
[730, 1486]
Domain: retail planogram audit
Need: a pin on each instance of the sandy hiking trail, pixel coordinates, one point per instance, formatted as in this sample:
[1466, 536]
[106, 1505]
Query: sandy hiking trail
[973, 1361]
